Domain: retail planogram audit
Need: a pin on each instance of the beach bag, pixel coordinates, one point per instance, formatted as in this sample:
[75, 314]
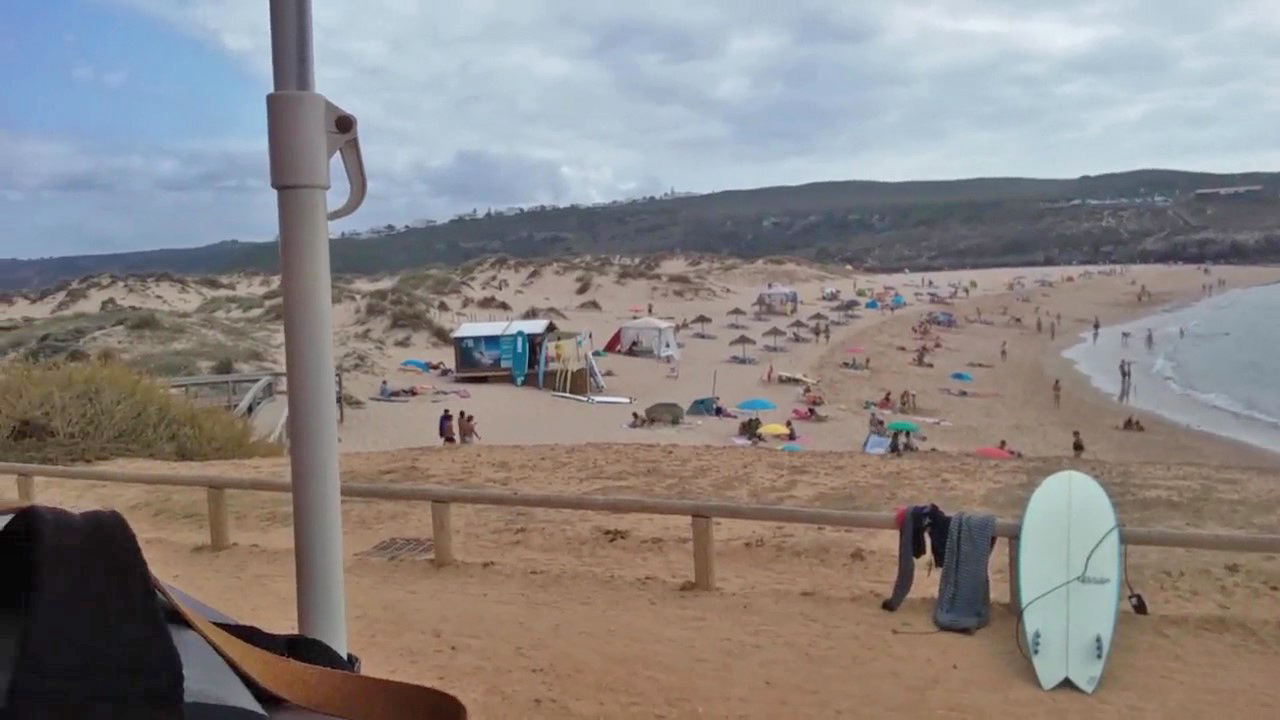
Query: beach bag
[87, 632]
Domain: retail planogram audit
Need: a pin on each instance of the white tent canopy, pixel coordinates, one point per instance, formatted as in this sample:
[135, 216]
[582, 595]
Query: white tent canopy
[777, 298]
[648, 334]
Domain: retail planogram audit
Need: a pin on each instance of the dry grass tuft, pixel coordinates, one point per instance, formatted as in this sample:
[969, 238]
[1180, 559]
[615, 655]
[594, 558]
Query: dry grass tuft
[65, 412]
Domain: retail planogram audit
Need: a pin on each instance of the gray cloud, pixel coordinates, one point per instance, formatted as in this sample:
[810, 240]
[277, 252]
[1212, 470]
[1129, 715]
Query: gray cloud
[492, 103]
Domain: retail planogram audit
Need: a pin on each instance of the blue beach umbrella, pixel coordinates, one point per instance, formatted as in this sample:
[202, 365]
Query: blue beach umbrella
[963, 377]
[756, 405]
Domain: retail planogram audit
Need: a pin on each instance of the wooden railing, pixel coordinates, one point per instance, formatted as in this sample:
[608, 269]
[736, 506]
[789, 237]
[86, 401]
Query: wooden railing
[702, 513]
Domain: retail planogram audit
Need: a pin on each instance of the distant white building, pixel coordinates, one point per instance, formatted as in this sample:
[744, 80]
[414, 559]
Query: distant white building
[1228, 191]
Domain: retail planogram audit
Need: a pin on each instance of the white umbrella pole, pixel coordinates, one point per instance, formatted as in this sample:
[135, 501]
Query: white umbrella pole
[299, 126]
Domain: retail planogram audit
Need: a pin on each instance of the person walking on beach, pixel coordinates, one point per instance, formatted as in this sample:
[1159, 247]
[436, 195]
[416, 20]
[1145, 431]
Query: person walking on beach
[1057, 393]
[1053, 331]
[447, 436]
[1096, 327]
[1077, 443]
[1124, 382]
[467, 428]
[1004, 350]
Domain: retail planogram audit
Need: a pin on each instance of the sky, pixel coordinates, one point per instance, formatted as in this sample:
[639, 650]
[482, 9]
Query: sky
[137, 124]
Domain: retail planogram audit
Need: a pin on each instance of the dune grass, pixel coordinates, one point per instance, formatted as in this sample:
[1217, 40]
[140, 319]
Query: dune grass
[59, 413]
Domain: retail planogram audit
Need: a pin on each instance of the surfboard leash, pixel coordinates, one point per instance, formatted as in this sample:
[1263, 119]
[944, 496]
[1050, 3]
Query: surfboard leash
[1136, 600]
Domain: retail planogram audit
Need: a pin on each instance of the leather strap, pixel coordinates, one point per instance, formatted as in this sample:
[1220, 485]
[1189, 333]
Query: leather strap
[331, 692]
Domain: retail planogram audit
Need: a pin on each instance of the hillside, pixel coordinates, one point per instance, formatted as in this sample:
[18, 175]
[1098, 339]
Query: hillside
[1145, 215]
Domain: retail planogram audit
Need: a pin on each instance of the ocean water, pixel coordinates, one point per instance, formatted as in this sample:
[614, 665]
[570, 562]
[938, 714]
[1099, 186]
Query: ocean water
[1222, 375]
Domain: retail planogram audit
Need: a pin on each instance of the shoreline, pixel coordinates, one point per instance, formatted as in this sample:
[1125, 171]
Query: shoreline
[1181, 432]
[1185, 409]
[1014, 400]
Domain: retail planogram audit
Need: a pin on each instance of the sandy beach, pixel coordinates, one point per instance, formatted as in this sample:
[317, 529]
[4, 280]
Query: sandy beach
[1011, 400]
[580, 615]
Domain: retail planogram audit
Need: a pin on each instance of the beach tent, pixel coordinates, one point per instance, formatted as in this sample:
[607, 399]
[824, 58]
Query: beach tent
[777, 299]
[649, 334]
[702, 406]
[875, 444]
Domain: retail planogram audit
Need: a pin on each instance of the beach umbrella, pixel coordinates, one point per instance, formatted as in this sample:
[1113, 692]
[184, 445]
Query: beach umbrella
[701, 320]
[963, 377]
[903, 426]
[735, 314]
[799, 325]
[818, 317]
[774, 429]
[775, 332]
[791, 447]
[993, 453]
[756, 405]
[744, 341]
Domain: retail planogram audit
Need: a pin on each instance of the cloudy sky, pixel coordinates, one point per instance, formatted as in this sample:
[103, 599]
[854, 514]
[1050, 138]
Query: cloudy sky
[130, 124]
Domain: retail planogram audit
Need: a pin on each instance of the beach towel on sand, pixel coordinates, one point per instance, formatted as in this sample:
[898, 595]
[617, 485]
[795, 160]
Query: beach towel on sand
[964, 591]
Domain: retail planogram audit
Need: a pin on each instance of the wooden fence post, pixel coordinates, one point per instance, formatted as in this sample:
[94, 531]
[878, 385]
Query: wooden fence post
[219, 519]
[26, 489]
[442, 533]
[704, 564]
[1014, 600]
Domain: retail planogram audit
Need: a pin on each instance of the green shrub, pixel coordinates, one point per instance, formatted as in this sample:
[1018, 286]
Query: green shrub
[76, 412]
[224, 366]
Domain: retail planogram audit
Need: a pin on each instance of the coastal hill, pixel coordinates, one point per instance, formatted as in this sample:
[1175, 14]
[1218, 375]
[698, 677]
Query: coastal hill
[1138, 216]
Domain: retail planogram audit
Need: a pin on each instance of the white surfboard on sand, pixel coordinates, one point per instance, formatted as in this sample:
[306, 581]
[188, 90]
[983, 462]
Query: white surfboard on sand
[1069, 579]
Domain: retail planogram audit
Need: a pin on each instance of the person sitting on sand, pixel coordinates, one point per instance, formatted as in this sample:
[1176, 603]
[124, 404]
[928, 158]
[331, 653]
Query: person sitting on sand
[1138, 427]
[384, 390]
[1005, 447]
[637, 420]
[907, 444]
[1077, 443]
[1127, 424]
[886, 402]
[791, 431]
[813, 414]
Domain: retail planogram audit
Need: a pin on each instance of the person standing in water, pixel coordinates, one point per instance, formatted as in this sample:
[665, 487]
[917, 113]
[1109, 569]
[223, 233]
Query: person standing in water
[1124, 382]
[1057, 393]
[1096, 327]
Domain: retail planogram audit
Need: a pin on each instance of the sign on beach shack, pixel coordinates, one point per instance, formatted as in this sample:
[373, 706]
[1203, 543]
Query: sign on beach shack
[489, 349]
